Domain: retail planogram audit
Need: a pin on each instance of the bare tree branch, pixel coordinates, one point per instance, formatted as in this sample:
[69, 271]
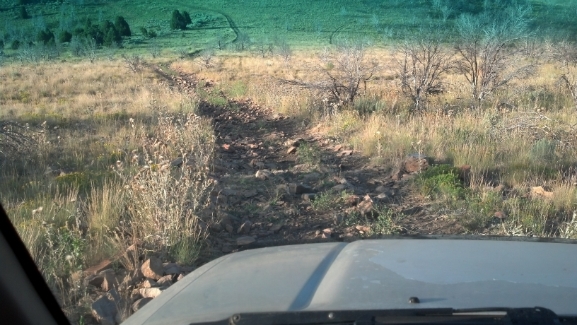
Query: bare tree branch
[421, 68]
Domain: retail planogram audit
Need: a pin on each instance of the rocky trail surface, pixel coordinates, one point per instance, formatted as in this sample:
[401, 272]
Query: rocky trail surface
[279, 182]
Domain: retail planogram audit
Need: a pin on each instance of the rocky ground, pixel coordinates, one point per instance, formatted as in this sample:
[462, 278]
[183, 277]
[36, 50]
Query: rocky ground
[277, 183]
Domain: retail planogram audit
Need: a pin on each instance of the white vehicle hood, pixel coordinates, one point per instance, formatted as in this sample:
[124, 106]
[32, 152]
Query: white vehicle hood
[373, 274]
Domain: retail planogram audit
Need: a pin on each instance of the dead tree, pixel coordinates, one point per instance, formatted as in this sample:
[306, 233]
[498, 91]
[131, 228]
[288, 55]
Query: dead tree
[345, 69]
[421, 65]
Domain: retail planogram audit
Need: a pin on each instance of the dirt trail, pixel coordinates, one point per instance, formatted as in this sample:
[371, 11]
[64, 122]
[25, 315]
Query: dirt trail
[279, 183]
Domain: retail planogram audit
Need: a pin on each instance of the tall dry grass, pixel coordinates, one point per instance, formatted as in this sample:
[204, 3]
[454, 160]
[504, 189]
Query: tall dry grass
[73, 194]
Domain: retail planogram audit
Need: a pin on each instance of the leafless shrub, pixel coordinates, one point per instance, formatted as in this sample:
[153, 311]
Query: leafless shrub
[486, 50]
[421, 66]
[13, 137]
[566, 53]
[284, 50]
[345, 69]
[133, 62]
[206, 57]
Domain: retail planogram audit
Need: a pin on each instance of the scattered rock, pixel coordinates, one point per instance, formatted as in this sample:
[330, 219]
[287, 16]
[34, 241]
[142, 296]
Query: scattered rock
[340, 187]
[415, 163]
[152, 268]
[500, 215]
[464, 173]
[366, 206]
[344, 153]
[295, 143]
[149, 283]
[337, 147]
[109, 279]
[250, 193]
[297, 189]
[176, 162]
[326, 233]
[539, 191]
[397, 174]
[244, 227]
[311, 177]
[282, 190]
[150, 292]
[98, 267]
[291, 150]
[383, 198]
[171, 268]
[216, 227]
[276, 228]
[352, 200]
[140, 303]
[338, 218]
[308, 197]
[165, 281]
[363, 229]
[104, 310]
[245, 240]
[257, 164]
[263, 174]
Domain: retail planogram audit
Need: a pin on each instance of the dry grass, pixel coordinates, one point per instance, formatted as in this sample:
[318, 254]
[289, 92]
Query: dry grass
[105, 137]
[67, 192]
[523, 135]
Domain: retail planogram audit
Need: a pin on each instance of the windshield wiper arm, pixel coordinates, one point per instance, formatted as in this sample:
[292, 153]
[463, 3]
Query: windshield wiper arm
[536, 316]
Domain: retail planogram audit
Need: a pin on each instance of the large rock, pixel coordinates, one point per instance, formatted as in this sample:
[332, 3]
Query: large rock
[150, 292]
[415, 163]
[165, 281]
[244, 227]
[105, 308]
[152, 268]
[298, 189]
[171, 268]
[539, 191]
[246, 240]
[366, 207]
[140, 303]
[263, 174]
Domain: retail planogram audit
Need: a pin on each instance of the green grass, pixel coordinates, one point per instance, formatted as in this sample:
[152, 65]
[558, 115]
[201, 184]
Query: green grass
[441, 182]
[308, 154]
[301, 23]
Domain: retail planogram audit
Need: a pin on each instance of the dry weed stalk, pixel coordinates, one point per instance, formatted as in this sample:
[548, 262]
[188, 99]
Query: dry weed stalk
[166, 192]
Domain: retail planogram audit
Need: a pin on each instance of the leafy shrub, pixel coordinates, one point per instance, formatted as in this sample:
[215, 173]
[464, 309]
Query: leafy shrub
[178, 21]
[15, 44]
[186, 17]
[23, 13]
[122, 26]
[45, 36]
[441, 181]
[64, 37]
[147, 33]
[308, 154]
[111, 34]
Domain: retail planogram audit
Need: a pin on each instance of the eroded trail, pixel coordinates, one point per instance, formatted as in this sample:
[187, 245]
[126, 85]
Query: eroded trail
[279, 183]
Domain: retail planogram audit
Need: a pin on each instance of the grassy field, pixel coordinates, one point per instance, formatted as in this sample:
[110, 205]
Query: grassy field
[102, 131]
